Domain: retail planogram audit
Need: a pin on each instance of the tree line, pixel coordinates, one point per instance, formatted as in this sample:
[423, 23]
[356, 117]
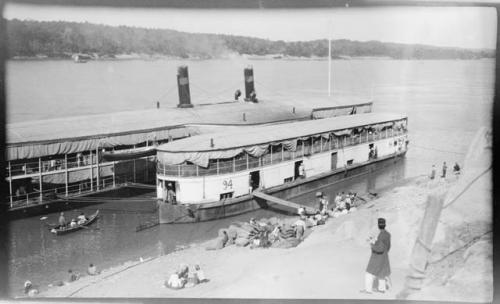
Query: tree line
[60, 39]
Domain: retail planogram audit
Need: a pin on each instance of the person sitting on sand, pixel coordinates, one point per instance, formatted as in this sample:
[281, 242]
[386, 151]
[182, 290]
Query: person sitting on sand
[192, 279]
[72, 276]
[200, 274]
[175, 282]
[29, 289]
[92, 270]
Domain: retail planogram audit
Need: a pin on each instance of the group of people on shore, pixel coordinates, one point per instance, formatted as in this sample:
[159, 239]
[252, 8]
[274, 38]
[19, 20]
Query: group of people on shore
[444, 169]
[32, 290]
[184, 278]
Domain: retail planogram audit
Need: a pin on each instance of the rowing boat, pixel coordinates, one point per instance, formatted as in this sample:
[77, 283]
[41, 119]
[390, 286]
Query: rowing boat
[64, 230]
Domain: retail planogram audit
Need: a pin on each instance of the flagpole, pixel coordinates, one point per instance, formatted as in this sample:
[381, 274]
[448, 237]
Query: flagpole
[329, 67]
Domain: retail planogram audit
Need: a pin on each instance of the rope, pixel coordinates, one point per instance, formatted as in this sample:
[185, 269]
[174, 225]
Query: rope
[467, 187]
[167, 92]
[438, 150]
[461, 247]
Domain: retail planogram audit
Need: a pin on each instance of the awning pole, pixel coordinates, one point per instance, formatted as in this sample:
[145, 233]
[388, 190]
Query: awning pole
[66, 168]
[40, 176]
[134, 166]
[10, 184]
[114, 181]
[91, 173]
[97, 166]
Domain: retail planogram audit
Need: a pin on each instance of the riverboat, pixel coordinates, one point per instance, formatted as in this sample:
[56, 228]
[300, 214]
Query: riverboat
[66, 230]
[216, 175]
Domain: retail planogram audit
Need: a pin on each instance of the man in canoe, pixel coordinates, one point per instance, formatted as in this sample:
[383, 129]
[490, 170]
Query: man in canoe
[81, 219]
[62, 220]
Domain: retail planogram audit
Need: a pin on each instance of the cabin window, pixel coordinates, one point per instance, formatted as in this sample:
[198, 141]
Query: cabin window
[288, 179]
[306, 147]
[240, 162]
[276, 153]
[225, 165]
[287, 154]
[226, 195]
[266, 158]
[316, 145]
[349, 162]
[253, 162]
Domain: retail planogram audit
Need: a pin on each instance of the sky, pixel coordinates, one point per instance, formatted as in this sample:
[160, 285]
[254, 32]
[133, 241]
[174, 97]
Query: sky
[466, 27]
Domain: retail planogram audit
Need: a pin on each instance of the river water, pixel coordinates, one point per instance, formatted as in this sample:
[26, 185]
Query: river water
[446, 102]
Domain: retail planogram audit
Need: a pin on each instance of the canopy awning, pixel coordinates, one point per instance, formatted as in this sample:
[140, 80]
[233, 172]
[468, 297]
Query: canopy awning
[256, 140]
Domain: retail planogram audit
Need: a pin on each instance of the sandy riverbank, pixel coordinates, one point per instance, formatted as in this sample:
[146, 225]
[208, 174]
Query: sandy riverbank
[330, 263]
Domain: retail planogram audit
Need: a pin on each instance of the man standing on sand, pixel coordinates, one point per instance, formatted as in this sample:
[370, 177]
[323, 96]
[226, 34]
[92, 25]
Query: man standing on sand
[444, 170]
[378, 266]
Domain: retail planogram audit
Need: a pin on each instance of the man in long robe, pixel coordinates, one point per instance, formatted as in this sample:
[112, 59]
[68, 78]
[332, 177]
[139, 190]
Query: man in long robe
[379, 266]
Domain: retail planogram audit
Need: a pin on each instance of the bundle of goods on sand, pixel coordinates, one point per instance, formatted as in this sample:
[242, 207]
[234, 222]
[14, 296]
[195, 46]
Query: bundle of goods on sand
[266, 233]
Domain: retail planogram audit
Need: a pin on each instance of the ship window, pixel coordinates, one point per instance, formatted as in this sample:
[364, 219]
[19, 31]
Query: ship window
[288, 179]
[226, 195]
[349, 162]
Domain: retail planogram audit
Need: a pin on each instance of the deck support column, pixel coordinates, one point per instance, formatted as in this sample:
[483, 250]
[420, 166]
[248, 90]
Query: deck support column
[217, 166]
[97, 167]
[91, 172]
[114, 181]
[10, 184]
[40, 177]
[66, 173]
[271, 149]
[247, 160]
[234, 165]
[134, 166]
[282, 153]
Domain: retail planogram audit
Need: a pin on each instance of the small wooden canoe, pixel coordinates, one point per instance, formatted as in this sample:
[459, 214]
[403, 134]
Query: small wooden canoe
[65, 230]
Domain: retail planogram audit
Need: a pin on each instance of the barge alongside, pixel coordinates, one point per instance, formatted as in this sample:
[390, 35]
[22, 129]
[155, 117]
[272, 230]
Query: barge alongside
[214, 175]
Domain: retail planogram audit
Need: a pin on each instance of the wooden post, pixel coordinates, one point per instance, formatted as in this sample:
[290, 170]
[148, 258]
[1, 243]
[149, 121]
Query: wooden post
[423, 244]
[66, 169]
[10, 184]
[134, 165]
[97, 167]
[91, 172]
[114, 174]
[40, 176]
[147, 171]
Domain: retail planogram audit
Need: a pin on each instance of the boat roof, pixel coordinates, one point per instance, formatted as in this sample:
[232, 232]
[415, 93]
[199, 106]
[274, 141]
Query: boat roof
[255, 135]
[127, 122]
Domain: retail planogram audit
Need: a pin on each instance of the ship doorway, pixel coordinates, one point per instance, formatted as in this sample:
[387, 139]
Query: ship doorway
[297, 170]
[334, 160]
[254, 180]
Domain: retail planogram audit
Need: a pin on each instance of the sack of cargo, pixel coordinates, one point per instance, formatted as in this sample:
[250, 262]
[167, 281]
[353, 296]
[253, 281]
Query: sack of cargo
[216, 244]
[232, 232]
[240, 241]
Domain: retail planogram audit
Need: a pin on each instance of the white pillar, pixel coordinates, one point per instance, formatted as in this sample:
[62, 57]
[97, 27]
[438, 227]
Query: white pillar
[66, 173]
[10, 184]
[97, 167]
[91, 173]
[114, 178]
[40, 177]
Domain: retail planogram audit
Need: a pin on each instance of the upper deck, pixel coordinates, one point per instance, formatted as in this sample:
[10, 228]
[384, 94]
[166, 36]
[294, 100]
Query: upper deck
[83, 133]
[246, 136]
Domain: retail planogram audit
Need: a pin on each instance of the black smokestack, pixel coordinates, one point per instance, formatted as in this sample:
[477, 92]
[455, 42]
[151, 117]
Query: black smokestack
[249, 86]
[183, 85]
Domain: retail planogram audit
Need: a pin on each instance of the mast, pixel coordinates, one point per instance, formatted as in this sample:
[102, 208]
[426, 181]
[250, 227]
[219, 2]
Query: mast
[329, 66]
